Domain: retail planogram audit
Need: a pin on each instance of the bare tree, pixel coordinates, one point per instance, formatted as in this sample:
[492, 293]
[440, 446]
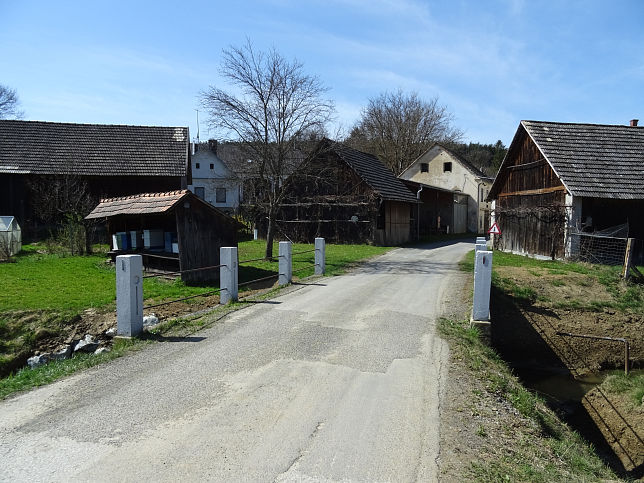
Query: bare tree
[9, 104]
[276, 112]
[399, 127]
[63, 202]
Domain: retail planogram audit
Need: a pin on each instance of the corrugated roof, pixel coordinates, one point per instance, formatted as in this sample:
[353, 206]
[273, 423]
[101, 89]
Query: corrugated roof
[92, 149]
[375, 174]
[593, 160]
[145, 203]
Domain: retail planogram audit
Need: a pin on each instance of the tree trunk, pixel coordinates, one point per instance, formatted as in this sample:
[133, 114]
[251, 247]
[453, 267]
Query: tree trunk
[270, 232]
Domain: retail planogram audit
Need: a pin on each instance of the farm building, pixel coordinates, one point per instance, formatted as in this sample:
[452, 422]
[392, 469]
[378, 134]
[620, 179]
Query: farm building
[346, 196]
[95, 160]
[562, 186]
[435, 212]
[173, 231]
[442, 168]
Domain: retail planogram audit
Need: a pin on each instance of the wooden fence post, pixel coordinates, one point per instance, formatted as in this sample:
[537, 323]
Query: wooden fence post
[628, 259]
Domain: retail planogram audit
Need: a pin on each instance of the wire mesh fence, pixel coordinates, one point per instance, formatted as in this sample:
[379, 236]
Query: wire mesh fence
[605, 247]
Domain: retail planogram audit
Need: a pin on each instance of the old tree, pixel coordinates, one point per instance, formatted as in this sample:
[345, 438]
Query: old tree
[398, 127]
[9, 103]
[275, 112]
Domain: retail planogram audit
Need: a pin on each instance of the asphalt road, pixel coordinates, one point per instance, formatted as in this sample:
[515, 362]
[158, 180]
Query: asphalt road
[338, 381]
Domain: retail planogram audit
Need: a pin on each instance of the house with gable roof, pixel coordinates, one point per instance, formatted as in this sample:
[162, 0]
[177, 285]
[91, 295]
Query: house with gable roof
[561, 179]
[347, 196]
[213, 179]
[441, 168]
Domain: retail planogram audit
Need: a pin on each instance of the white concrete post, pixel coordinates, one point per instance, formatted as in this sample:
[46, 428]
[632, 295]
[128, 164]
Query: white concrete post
[320, 254]
[480, 246]
[255, 234]
[482, 285]
[228, 275]
[480, 239]
[129, 295]
[285, 263]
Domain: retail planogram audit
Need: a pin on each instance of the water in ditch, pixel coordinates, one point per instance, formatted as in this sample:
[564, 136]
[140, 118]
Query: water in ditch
[564, 394]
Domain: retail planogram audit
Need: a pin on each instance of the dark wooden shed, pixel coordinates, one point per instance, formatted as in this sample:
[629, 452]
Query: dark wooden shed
[174, 231]
[561, 179]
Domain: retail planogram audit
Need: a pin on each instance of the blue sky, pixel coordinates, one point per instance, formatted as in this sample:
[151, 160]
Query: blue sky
[492, 63]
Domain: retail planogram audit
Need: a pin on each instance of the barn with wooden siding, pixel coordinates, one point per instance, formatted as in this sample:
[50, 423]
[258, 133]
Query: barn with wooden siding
[173, 231]
[563, 178]
[104, 160]
[347, 196]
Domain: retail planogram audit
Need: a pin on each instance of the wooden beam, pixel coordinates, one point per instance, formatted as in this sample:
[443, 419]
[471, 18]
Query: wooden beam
[541, 191]
[528, 165]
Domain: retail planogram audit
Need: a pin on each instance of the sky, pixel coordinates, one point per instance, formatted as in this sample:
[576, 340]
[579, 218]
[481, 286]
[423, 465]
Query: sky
[492, 63]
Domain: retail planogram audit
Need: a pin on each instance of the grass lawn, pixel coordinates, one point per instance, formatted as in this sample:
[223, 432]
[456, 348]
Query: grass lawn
[71, 284]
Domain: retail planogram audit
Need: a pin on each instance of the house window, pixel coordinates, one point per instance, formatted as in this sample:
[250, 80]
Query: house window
[197, 165]
[200, 191]
[424, 168]
[447, 167]
[220, 195]
[212, 166]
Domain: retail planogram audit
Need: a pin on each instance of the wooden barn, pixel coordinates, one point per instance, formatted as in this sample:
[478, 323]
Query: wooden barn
[347, 196]
[93, 160]
[561, 179]
[173, 231]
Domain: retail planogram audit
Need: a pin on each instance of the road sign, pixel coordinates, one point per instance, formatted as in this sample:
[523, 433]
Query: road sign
[494, 229]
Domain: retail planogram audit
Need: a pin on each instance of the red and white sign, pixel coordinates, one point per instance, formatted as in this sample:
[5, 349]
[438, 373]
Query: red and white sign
[494, 229]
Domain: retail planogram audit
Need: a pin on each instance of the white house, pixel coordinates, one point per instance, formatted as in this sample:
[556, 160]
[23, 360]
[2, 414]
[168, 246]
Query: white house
[441, 168]
[212, 180]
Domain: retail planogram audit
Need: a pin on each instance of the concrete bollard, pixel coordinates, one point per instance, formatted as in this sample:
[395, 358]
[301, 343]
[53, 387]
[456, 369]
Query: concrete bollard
[228, 275]
[285, 263]
[320, 254]
[255, 234]
[129, 295]
[482, 285]
[479, 246]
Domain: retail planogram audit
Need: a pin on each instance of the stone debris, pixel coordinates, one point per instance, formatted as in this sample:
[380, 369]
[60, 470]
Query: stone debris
[64, 353]
[39, 360]
[111, 332]
[149, 320]
[101, 350]
[88, 344]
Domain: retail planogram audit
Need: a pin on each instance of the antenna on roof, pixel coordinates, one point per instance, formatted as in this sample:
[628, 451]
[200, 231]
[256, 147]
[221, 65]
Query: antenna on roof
[197, 125]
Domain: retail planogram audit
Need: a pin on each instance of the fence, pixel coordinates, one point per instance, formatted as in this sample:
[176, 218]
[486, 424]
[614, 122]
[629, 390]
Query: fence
[129, 281]
[606, 247]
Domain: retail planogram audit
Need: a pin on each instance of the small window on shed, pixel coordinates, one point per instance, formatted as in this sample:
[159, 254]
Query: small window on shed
[424, 168]
[220, 195]
[447, 167]
[212, 166]
[197, 165]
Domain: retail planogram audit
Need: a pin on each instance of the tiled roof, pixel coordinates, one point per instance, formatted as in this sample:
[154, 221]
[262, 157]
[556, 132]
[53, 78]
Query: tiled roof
[375, 174]
[145, 203]
[92, 149]
[593, 160]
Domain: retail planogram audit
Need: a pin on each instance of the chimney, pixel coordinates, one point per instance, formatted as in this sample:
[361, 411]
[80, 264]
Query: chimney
[634, 122]
[212, 144]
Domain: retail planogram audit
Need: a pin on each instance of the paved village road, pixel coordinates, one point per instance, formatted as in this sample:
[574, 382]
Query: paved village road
[338, 381]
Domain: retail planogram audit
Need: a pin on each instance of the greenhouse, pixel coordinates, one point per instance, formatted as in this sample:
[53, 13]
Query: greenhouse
[10, 237]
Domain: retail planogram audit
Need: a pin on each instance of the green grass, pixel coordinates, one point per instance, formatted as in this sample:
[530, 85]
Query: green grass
[625, 296]
[631, 385]
[554, 453]
[29, 378]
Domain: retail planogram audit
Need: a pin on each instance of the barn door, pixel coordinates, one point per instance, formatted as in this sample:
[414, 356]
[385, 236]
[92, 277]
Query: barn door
[460, 216]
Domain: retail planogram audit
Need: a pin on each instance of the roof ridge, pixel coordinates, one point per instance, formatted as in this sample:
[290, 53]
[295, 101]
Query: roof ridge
[144, 195]
[581, 124]
[35, 121]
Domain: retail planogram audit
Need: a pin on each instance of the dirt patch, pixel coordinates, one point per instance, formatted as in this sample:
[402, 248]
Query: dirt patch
[621, 424]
